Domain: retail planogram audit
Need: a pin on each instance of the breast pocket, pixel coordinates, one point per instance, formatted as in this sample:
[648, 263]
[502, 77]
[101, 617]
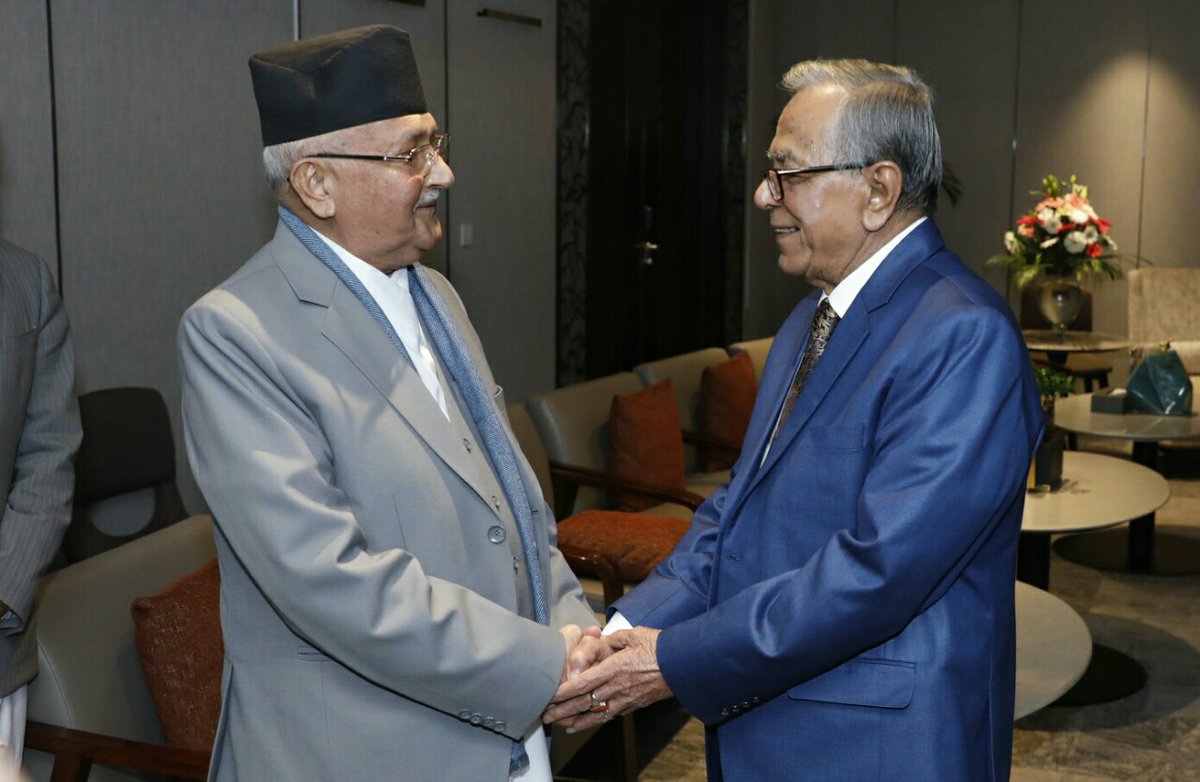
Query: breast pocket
[822, 475]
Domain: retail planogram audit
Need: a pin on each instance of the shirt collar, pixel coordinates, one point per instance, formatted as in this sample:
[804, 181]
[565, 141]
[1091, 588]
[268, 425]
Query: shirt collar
[846, 291]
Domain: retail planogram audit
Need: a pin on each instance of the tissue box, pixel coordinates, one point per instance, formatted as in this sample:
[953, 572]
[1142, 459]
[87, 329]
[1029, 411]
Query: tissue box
[1110, 400]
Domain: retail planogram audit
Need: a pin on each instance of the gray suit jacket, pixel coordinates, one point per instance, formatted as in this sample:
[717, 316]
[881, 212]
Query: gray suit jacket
[39, 434]
[370, 577]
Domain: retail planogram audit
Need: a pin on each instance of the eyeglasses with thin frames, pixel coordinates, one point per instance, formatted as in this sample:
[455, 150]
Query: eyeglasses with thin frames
[420, 158]
[776, 176]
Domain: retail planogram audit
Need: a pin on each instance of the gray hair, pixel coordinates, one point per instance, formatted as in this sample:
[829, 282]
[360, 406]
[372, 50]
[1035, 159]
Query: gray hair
[887, 115]
[278, 159]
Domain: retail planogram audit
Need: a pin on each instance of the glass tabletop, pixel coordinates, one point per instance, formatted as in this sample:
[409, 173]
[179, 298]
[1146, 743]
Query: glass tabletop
[1073, 341]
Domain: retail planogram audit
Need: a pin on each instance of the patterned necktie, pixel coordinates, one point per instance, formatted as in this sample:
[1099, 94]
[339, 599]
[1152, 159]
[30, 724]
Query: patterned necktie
[443, 332]
[818, 337]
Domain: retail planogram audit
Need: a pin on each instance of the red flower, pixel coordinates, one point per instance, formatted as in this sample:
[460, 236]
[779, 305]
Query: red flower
[1103, 225]
[1094, 250]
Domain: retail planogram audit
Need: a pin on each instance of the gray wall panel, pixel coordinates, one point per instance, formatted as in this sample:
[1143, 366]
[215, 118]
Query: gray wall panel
[1168, 229]
[26, 141]
[974, 103]
[502, 116]
[764, 101]
[162, 193]
[425, 24]
[794, 32]
[1083, 113]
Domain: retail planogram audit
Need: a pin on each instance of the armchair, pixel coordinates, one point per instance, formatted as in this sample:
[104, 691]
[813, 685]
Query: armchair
[1162, 306]
[124, 471]
[573, 426]
[685, 371]
[90, 703]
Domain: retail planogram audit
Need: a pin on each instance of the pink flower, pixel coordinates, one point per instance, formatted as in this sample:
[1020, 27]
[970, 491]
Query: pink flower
[1075, 201]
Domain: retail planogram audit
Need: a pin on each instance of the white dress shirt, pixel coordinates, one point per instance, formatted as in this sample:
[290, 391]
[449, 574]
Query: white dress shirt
[392, 295]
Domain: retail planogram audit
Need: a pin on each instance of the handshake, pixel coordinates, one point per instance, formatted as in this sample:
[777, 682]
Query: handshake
[605, 677]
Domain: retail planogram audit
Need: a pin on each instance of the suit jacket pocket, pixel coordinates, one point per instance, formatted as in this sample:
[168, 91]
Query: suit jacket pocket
[312, 654]
[884, 684]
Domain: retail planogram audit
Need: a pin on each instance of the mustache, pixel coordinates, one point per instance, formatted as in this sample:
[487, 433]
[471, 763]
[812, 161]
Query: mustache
[429, 195]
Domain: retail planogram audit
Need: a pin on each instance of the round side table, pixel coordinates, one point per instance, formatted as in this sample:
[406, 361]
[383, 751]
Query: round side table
[1053, 649]
[1098, 491]
[1136, 549]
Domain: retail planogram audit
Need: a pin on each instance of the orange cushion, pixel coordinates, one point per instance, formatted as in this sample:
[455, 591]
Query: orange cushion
[178, 635]
[727, 392]
[646, 442]
[637, 542]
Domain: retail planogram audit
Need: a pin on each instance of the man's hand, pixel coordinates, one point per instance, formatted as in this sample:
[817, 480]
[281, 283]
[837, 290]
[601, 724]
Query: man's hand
[584, 648]
[626, 680]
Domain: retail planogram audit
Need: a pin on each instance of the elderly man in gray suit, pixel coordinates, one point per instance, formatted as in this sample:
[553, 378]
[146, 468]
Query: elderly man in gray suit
[392, 600]
[39, 434]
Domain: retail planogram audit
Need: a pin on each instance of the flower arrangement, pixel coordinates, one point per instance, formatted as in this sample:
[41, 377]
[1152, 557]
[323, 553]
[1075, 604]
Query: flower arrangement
[1062, 236]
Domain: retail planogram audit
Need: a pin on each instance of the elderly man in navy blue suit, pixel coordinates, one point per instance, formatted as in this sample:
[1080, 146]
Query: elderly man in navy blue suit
[843, 608]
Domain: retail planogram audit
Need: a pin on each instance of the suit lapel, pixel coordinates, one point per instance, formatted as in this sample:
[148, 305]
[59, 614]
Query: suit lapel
[355, 333]
[848, 337]
[852, 331]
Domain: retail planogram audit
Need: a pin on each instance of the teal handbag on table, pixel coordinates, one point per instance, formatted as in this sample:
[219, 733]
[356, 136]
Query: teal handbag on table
[1160, 385]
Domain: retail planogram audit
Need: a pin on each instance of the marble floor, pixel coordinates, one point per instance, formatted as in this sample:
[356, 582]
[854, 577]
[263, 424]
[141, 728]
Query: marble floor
[1152, 735]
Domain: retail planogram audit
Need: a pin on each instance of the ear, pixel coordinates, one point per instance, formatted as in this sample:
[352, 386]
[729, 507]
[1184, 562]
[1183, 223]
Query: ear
[314, 185]
[885, 182]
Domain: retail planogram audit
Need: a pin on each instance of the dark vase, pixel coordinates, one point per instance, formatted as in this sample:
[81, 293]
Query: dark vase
[1048, 460]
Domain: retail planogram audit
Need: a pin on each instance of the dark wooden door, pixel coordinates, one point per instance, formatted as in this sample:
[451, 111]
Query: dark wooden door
[656, 211]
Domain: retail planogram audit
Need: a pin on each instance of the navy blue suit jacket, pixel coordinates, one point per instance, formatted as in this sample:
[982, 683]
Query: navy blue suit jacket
[845, 610]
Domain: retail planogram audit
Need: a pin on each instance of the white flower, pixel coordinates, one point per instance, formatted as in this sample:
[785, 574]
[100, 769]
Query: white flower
[1111, 244]
[1075, 242]
[1091, 235]
[1050, 221]
[1049, 242]
[1077, 216]
[1010, 243]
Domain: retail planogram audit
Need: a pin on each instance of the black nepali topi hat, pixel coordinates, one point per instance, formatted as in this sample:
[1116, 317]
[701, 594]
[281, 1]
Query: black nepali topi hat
[330, 82]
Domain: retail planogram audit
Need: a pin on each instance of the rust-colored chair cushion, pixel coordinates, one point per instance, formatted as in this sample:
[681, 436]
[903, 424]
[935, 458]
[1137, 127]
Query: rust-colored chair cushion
[727, 392]
[647, 442]
[636, 542]
[178, 636]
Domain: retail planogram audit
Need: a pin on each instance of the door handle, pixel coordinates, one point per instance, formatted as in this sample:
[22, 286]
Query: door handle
[647, 249]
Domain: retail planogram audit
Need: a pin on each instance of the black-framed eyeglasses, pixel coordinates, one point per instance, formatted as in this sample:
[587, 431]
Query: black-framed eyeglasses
[420, 157]
[776, 176]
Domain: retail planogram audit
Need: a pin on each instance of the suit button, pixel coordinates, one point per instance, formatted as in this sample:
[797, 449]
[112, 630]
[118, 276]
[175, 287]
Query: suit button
[489, 722]
[746, 704]
[465, 714]
[724, 712]
[736, 709]
[496, 534]
[500, 726]
[754, 699]
[476, 719]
